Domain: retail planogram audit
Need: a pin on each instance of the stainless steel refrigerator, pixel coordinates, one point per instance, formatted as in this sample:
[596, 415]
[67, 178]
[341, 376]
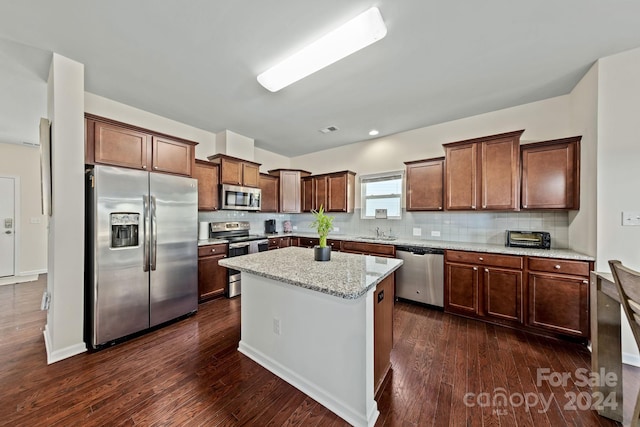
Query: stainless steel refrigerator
[141, 251]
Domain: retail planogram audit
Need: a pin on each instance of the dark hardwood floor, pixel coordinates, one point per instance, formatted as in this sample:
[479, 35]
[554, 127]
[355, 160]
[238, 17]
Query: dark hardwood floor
[447, 371]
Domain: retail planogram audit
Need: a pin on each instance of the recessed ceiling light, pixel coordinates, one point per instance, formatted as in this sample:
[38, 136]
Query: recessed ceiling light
[373, 132]
[359, 32]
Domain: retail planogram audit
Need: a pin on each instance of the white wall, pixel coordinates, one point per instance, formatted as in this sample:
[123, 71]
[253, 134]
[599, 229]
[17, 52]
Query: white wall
[65, 281]
[584, 121]
[543, 120]
[108, 108]
[24, 162]
[234, 144]
[618, 157]
[269, 160]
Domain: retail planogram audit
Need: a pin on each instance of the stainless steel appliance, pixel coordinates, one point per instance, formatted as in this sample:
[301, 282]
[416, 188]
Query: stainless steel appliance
[528, 239]
[240, 243]
[141, 251]
[421, 277]
[235, 197]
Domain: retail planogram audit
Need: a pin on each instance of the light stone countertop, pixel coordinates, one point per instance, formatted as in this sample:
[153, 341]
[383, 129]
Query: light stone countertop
[347, 276]
[206, 242]
[460, 246]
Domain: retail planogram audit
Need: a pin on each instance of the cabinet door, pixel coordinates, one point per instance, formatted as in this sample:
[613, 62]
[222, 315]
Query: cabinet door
[290, 191]
[171, 156]
[250, 174]
[500, 166]
[551, 175]
[461, 177]
[425, 184]
[207, 175]
[461, 292]
[230, 172]
[383, 300]
[337, 193]
[320, 190]
[503, 294]
[118, 146]
[212, 278]
[269, 197]
[559, 303]
[308, 196]
[284, 242]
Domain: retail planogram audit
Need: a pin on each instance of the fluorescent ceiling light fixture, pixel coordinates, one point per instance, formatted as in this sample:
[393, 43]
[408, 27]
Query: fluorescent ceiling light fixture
[360, 32]
[373, 132]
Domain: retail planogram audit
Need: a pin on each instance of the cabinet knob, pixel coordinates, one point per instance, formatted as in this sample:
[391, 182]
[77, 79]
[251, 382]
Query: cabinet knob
[586, 282]
[557, 266]
[484, 206]
[486, 270]
[213, 250]
[440, 208]
[155, 167]
[144, 166]
[524, 206]
[475, 268]
[473, 206]
[481, 259]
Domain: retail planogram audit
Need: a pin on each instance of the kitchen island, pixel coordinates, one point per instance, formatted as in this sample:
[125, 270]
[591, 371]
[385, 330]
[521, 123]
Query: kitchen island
[317, 324]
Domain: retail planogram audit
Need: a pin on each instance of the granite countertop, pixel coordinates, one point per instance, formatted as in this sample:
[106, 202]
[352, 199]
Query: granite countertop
[461, 246]
[347, 276]
[205, 242]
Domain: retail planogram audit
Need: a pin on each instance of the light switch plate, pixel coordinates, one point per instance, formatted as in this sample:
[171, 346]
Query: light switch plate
[630, 218]
[417, 231]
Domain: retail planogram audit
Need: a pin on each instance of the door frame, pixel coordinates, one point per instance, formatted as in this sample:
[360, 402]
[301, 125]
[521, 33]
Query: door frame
[16, 225]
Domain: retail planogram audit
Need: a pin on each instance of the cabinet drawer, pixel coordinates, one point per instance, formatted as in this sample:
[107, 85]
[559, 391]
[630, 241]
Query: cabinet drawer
[370, 248]
[308, 242]
[274, 242]
[481, 258]
[212, 250]
[336, 245]
[551, 265]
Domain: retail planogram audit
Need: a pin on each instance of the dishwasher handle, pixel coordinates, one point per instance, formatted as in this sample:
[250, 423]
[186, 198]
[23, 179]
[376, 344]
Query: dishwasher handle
[418, 250]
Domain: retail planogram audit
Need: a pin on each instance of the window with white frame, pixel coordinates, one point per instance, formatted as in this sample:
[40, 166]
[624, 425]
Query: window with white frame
[381, 191]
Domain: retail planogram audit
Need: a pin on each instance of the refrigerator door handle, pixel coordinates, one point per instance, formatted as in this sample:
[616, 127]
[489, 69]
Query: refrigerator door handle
[154, 234]
[147, 225]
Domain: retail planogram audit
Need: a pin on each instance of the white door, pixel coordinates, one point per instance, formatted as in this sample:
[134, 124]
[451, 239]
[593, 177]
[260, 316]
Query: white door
[7, 226]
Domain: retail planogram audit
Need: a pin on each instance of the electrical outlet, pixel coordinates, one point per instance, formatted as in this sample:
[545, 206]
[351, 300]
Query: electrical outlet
[35, 220]
[46, 300]
[336, 229]
[295, 227]
[435, 233]
[417, 231]
[630, 218]
[276, 326]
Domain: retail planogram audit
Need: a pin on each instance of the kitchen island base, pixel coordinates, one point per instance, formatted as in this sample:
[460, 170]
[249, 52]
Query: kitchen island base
[318, 343]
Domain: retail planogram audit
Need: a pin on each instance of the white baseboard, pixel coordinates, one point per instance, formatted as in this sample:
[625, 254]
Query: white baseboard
[22, 278]
[347, 413]
[32, 272]
[63, 353]
[631, 359]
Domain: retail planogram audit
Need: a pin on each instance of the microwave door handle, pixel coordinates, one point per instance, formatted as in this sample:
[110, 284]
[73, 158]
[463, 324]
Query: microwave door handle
[146, 221]
[154, 234]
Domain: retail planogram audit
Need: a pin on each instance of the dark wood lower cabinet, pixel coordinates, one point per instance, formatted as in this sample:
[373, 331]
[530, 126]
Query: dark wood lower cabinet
[544, 295]
[559, 303]
[383, 301]
[212, 278]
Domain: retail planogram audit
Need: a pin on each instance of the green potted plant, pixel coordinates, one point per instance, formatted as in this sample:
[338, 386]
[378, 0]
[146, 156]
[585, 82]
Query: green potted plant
[323, 225]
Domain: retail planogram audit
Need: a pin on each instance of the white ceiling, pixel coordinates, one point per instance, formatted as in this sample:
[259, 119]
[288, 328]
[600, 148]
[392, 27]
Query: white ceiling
[196, 61]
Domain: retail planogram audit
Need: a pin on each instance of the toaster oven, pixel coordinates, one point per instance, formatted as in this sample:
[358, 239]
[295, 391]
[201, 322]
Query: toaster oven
[528, 239]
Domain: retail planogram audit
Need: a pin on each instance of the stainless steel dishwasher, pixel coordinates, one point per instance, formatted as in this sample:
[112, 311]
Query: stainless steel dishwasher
[421, 277]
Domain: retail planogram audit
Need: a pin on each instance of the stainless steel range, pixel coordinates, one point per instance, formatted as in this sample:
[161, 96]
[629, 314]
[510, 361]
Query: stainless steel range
[241, 242]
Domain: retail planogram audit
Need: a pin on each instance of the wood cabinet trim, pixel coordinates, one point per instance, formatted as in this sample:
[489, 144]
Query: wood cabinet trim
[217, 157]
[510, 135]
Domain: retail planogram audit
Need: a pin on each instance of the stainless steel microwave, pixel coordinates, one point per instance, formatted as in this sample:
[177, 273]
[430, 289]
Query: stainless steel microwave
[528, 239]
[235, 197]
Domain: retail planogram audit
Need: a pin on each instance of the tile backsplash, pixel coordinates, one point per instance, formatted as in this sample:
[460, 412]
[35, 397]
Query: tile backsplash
[479, 227]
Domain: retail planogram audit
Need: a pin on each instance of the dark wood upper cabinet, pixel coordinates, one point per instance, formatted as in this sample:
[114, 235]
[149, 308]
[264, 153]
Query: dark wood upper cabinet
[119, 144]
[483, 173]
[425, 185]
[269, 185]
[290, 191]
[207, 175]
[551, 174]
[334, 191]
[236, 171]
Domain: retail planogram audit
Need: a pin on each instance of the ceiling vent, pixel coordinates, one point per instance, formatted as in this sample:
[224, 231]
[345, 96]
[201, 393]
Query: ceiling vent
[329, 129]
